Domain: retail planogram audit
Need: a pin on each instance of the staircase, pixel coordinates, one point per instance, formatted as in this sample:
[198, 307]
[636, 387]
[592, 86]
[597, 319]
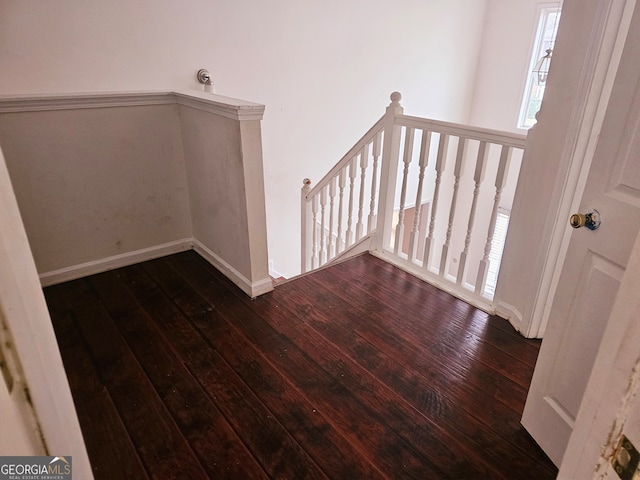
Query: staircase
[430, 197]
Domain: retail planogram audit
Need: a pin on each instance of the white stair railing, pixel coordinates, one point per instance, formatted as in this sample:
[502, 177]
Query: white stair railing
[332, 229]
[446, 234]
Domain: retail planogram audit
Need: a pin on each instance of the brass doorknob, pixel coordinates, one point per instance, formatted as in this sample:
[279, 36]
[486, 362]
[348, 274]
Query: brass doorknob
[578, 220]
[591, 220]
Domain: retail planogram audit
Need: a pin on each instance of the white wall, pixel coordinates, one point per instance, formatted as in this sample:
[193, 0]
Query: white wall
[226, 193]
[324, 70]
[106, 180]
[94, 183]
[507, 39]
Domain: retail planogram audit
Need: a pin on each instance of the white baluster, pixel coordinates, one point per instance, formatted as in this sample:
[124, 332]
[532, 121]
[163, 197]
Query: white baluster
[314, 248]
[408, 150]
[352, 179]
[332, 195]
[364, 160]
[478, 177]
[388, 173]
[501, 179]
[305, 254]
[323, 229]
[441, 163]
[373, 217]
[457, 173]
[342, 181]
[425, 145]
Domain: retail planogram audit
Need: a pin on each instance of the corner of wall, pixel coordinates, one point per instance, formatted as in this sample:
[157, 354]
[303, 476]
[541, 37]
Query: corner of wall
[253, 288]
[513, 315]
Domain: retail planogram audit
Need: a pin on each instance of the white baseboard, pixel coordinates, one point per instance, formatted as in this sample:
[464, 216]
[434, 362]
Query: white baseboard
[253, 289]
[116, 261]
[274, 273]
[431, 278]
[512, 314]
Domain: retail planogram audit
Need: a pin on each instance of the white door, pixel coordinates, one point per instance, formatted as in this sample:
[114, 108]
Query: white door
[30, 349]
[594, 264]
[19, 431]
[611, 404]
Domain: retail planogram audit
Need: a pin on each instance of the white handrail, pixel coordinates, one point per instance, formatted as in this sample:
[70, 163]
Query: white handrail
[335, 171]
[324, 240]
[458, 130]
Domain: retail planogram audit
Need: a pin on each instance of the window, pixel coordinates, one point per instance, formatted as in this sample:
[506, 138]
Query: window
[534, 89]
[497, 246]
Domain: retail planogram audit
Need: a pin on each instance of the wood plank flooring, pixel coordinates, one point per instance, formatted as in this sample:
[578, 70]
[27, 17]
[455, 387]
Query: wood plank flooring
[359, 371]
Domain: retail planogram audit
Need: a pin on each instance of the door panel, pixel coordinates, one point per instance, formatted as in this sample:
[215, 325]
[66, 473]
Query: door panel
[596, 289]
[594, 264]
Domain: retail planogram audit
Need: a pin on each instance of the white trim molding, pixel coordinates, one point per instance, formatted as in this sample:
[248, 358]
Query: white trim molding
[228, 107]
[253, 289]
[41, 103]
[116, 261]
[510, 313]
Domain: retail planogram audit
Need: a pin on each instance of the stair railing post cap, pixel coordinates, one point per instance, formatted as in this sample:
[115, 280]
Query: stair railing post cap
[395, 98]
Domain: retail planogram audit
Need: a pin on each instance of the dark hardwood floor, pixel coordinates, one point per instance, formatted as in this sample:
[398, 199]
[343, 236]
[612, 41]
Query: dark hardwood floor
[357, 371]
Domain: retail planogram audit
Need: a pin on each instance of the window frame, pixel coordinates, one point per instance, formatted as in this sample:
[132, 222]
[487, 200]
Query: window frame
[538, 48]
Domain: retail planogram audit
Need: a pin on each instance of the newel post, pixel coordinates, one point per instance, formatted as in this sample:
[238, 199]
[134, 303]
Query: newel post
[388, 171]
[306, 227]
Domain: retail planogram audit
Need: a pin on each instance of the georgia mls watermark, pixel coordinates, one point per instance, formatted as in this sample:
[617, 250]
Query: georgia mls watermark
[35, 468]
